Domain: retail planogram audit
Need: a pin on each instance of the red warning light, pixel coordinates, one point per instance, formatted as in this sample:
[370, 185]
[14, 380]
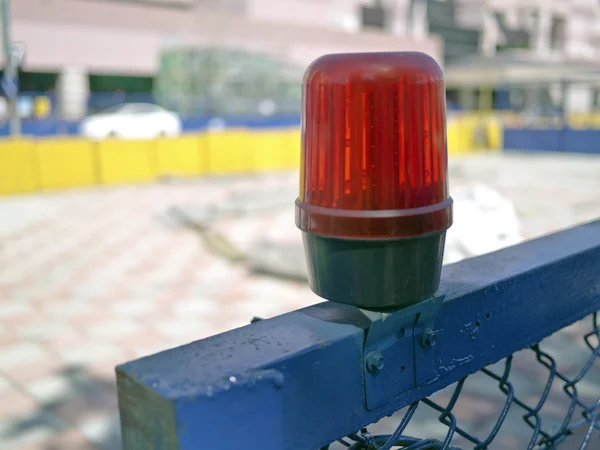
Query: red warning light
[374, 158]
[373, 168]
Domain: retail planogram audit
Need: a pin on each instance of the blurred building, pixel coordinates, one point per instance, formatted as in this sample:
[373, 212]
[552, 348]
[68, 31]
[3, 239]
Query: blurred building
[74, 47]
[545, 52]
[77, 46]
[550, 28]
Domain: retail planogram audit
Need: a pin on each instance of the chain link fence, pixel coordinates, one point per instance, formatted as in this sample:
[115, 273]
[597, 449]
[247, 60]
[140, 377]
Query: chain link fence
[545, 397]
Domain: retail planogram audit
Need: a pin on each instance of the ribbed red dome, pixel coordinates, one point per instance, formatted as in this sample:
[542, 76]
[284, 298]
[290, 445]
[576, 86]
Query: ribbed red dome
[374, 156]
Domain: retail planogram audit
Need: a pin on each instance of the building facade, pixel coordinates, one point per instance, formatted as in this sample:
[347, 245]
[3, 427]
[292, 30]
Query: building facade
[114, 45]
[568, 28]
[124, 36]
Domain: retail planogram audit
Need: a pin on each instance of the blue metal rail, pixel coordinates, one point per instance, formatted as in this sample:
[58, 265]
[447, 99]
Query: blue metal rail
[308, 378]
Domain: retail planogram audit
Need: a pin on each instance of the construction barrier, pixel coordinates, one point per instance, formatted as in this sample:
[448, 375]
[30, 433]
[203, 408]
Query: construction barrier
[184, 156]
[28, 165]
[564, 140]
[127, 161]
[65, 163]
[18, 166]
[229, 152]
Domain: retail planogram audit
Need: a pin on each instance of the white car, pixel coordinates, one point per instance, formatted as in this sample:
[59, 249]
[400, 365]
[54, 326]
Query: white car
[131, 121]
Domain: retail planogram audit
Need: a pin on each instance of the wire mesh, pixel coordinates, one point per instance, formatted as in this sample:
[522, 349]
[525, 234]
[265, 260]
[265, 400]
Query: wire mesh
[577, 413]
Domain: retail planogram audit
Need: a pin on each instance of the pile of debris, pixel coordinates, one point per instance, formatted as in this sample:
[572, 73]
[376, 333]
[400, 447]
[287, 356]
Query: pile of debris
[265, 238]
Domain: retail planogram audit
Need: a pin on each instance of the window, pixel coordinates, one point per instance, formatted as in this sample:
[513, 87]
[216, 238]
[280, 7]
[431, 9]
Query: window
[558, 33]
[113, 109]
[142, 108]
[373, 16]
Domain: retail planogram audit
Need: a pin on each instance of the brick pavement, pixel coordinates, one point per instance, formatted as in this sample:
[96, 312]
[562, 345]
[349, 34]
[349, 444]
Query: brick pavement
[92, 278]
[99, 277]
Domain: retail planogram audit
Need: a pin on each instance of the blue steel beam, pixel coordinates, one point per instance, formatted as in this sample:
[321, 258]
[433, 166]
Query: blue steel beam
[297, 381]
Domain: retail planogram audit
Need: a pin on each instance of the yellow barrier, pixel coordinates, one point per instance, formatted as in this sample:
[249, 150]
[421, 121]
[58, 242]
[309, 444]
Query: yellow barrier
[471, 133]
[18, 166]
[65, 163]
[185, 155]
[26, 165]
[229, 152]
[455, 138]
[495, 133]
[584, 121]
[126, 161]
[290, 145]
[267, 150]
[253, 151]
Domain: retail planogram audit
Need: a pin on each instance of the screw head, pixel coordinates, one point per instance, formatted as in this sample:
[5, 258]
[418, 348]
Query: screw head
[401, 332]
[428, 338]
[374, 362]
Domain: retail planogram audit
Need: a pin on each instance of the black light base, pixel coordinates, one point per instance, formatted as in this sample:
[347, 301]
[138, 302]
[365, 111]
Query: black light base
[378, 275]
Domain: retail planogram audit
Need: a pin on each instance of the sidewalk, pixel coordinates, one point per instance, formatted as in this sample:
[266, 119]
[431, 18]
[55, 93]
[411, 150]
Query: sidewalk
[96, 278]
[93, 278]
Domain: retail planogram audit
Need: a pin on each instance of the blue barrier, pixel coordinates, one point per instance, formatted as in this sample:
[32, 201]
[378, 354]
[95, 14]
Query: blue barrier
[257, 122]
[45, 127]
[550, 139]
[56, 127]
[304, 380]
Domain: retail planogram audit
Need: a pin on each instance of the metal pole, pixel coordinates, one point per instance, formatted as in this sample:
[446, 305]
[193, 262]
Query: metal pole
[10, 69]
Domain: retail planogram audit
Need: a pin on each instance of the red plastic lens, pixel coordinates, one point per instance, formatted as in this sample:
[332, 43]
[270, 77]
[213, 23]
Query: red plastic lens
[374, 157]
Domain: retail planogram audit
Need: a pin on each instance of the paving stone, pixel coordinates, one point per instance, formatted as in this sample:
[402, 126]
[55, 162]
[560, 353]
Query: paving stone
[91, 353]
[113, 329]
[432, 428]
[50, 389]
[8, 336]
[477, 409]
[133, 307]
[25, 372]
[68, 440]
[66, 310]
[31, 429]
[202, 306]
[11, 309]
[92, 400]
[5, 384]
[14, 403]
[175, 328]
[102, 430]
[44, 329]
[261, 306]
[21, 353]
[150, 349]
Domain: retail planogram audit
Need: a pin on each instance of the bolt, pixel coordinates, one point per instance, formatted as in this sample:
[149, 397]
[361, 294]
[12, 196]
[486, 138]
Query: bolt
[401, 333]
[374, 362]
[428, 338]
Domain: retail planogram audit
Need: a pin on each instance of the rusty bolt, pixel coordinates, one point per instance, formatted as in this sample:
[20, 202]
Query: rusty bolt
[374, 362]
[428, 338]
